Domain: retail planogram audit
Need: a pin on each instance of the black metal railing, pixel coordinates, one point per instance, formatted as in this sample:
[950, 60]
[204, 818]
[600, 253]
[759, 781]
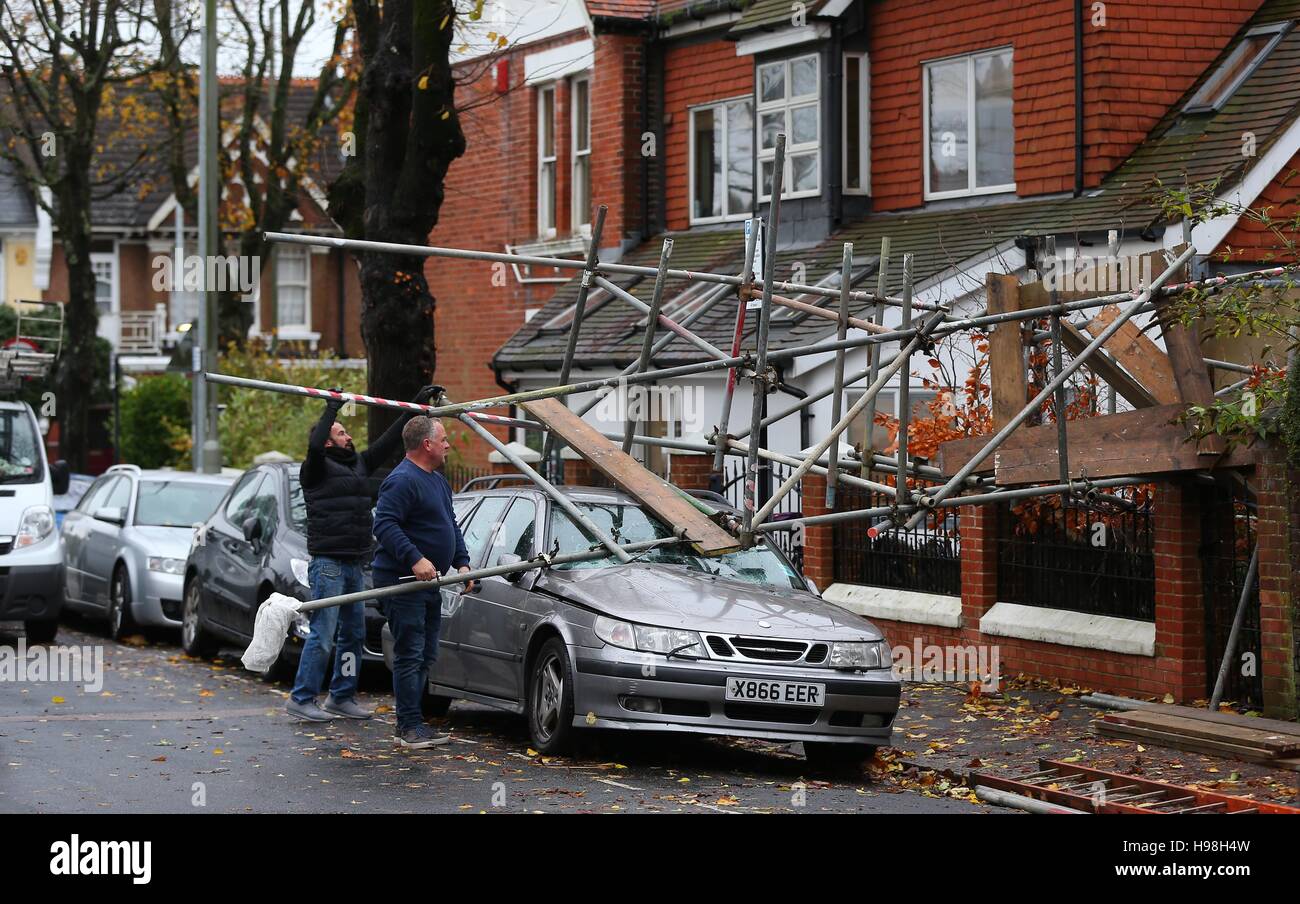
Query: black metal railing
[771, 475]
[1227, 540]
[926, 559]
[1093, 557]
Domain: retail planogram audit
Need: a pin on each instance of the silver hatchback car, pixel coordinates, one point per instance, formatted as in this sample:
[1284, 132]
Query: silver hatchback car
[737, 644]
[126, 542]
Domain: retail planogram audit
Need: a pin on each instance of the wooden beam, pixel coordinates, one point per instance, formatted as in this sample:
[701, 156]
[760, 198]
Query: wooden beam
[1006, 351]
[1191, 374]
[1138, 355]
[1130, 443]
[1104, 366]
[657, 496]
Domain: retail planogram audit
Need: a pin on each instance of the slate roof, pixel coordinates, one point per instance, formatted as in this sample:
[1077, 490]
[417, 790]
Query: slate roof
[16, 205]
[1198, 147]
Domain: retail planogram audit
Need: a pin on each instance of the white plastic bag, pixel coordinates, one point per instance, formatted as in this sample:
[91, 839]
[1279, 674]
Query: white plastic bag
[270, 630]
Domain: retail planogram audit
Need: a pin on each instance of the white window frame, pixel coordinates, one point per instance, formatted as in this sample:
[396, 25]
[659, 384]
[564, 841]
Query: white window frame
[864, 124]
[579, 214]
[1200, 103]
[293, 330]
[971, 149]
[110, 258]
[543, 230]
[719, 108]
[785, 103]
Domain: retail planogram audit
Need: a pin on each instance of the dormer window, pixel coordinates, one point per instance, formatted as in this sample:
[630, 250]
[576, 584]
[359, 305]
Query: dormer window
[1240, 64]
[969, 131]
[789, 101]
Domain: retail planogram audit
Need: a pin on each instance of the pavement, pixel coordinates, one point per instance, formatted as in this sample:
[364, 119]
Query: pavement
[167, 733]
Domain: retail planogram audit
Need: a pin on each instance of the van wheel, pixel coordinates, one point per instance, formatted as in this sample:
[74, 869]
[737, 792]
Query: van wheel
[194, 639]
[550, 699]
[41, 631]
[120, 622]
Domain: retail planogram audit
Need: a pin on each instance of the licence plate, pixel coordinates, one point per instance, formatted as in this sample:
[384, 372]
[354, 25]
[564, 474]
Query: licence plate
[783, 693]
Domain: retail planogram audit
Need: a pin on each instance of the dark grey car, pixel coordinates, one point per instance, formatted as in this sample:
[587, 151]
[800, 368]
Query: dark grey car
[729, 645]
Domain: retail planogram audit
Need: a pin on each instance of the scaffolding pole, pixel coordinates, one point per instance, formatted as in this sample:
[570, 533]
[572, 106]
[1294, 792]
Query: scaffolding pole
[904, 397]
[874, 352]
[647, 344]
[753, 227]
[837, 389]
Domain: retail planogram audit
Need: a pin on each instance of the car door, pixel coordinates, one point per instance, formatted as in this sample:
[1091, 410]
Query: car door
[76, 529]
[230, 552]
[477, 530]
[495, 618]
[99, 549]
[251, 556]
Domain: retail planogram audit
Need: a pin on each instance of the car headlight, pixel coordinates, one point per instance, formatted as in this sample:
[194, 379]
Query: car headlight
[615, 632]
[36, 524]
[668, 640]
[873, 655]
[166, 566]
[299, 567]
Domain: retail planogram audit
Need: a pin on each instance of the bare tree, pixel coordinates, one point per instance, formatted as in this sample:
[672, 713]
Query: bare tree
[71, 73]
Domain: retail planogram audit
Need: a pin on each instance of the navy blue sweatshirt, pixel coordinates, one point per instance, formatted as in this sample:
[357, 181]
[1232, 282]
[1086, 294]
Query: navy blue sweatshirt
[415, 519]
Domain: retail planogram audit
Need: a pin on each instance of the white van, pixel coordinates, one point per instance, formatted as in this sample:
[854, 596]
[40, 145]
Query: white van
[31, 550]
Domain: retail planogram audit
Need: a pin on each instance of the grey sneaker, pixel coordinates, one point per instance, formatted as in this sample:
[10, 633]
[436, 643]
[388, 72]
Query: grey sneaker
[420, 738]
[308, 712]
[348, 709]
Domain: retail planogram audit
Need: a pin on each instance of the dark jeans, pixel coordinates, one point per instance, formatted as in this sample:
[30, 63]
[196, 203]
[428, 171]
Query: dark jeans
[338, 631]
[414, 619]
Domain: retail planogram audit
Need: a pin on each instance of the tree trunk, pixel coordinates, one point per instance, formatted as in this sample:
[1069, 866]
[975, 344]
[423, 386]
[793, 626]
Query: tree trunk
[76, 361]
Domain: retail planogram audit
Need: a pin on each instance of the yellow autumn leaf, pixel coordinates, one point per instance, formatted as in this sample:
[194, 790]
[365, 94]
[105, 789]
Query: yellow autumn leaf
[501, 41]
[492, 35]
[445, 114]
[424, 83]
[57, 700]
[727, 801]
[445, 20]
[206, 694]
[532, 752]
[217, 751]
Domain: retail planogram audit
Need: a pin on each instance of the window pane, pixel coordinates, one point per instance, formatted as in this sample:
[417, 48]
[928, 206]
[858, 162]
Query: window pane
[708, 164]
[547, 124]
[853, 122]
[482, 526]
[805, 172]
[772, 124]
[949, 168]
[548, 195]
[771, 82]
[582, 141]
[516, 534]
[293, 305]
[740, 160]
[766, 168]
[803, 77]
[994, 129]
[291, 265]
[581, 190]
[803, 124]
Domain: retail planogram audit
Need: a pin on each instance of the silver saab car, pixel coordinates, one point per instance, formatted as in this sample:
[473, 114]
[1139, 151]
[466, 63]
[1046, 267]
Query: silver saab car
[126, 542]
[736, 645]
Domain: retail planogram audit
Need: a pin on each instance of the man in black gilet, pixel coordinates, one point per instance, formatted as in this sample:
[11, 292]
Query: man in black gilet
[336, 486]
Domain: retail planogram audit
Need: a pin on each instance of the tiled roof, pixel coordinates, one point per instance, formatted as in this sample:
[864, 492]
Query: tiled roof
[1198, 148]
[16, 205]
[769, 14]
[622, 9]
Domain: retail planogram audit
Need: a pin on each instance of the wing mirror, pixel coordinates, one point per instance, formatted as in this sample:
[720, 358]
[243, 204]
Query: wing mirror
[252, 529]
[111, 514]
[60, 477]
[812, 587]
[524, 579]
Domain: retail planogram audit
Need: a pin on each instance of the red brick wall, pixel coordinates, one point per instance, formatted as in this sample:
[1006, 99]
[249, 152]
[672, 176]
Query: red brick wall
[1278, 534]
[686, 471]
[695, 74]
[1251, 240]
[1138, 64]
[617, 96]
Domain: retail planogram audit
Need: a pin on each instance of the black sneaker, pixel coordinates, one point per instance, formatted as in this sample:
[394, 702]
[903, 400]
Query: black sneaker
[420, 738]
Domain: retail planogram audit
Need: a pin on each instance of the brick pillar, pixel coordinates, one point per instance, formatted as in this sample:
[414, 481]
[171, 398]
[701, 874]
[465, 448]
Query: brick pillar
[689, 470]
[818, 540]
[979, 566]
[1278, 533]
[1180, 594]
[578, 472]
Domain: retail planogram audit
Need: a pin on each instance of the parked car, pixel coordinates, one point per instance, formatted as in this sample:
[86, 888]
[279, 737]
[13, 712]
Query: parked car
[126, 542]
[254, 544]
[737, 644]
[31, 549]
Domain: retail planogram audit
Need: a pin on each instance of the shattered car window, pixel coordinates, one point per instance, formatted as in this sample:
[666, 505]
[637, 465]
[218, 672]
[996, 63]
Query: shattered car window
[631, 524]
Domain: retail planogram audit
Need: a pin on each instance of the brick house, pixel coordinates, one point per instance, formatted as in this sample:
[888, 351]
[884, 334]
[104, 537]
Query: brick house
[968, 142]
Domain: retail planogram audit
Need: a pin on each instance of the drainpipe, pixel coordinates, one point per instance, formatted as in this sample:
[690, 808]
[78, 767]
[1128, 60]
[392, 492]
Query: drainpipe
[836, 142]
[1078, 97]
[341, 350]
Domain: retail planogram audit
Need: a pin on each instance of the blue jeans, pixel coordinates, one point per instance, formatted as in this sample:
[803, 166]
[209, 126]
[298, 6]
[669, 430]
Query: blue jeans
[415, 620]
[347, 623]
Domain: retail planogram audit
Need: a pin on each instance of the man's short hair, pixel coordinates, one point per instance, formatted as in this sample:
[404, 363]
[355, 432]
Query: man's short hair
[417, 430]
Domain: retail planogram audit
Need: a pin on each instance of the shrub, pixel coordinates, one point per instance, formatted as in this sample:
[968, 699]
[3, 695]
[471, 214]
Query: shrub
[155, 430]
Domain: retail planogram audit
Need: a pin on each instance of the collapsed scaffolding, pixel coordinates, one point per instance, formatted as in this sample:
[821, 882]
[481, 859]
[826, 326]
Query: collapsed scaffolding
[963, 480]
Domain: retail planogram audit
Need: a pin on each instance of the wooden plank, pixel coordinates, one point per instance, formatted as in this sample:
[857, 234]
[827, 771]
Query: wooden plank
[628, 475]
[1182, 742]
[1259, 723]
[1138, 355]
[1191, 374]
[1105, 367]
[1116, 445]
[1006, 351]
[1278, 744]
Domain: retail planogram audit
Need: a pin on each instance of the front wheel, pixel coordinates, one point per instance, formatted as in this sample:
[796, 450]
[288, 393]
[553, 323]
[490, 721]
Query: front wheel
[120, 622]
[194, 639]
[550, 699]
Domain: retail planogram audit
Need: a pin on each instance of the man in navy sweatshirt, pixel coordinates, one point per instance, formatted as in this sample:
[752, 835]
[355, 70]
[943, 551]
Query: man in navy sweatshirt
[415, 525]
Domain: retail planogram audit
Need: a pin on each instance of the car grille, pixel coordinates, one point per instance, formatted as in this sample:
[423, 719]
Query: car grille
[768, 650]
[6, 546]
[761, 712]
[817, 653]
[719, 646]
